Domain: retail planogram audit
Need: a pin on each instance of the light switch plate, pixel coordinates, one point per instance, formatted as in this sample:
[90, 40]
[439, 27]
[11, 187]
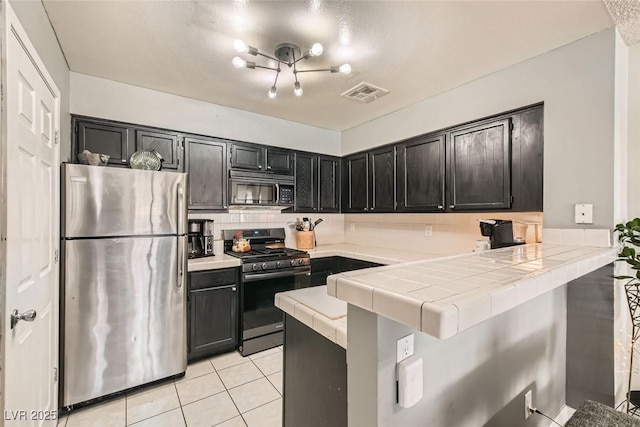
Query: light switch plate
[428, 230]
[584, 214]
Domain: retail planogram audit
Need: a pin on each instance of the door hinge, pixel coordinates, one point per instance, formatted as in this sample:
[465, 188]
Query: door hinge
[56, 256]
[57, 137]
[511, 199]
[55, 375]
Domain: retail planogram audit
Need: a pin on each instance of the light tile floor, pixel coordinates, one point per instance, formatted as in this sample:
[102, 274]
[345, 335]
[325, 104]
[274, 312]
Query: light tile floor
[225, 391]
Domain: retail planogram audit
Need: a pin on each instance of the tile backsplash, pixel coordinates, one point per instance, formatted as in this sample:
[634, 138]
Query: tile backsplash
[330, 231]
[451, 233]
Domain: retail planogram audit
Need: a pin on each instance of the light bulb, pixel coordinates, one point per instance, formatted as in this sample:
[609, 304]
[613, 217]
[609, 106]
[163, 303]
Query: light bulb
[345, 68]
[239, 62]
[272, 93]
[297, 90]
[316, 49]
[240, 46]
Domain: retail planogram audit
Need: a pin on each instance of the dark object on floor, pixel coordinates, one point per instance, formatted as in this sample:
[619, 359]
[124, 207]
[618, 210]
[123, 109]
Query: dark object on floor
[594, 414]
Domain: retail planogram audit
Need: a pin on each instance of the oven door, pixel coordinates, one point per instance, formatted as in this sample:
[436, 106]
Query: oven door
[260, 316]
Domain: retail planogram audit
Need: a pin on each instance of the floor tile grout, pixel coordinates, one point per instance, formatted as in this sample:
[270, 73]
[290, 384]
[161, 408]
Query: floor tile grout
[176, 382]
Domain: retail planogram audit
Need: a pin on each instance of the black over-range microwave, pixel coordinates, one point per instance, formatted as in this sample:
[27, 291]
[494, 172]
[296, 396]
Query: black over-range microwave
[258, 189]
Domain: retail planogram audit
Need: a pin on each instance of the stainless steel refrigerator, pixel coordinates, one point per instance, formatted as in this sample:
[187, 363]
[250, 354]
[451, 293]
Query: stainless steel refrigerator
[123, 299]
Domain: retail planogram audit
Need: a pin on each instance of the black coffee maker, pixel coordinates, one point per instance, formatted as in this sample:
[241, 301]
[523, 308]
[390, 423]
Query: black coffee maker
[200, 238]
[499, 232]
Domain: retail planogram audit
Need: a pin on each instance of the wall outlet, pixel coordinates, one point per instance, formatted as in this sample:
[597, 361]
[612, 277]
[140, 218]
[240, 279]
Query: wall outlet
[405, 348]
[528, 403]
[428, 230]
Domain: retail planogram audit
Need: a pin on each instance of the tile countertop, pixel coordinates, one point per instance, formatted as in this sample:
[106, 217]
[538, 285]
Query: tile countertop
[363, 253]
[212, 262]
[445, 296]
[322, 313]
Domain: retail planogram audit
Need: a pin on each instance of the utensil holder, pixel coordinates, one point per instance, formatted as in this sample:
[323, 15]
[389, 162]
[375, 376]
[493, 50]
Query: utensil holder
[304, 240]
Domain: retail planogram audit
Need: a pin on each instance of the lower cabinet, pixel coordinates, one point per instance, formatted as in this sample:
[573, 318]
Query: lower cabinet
[321, 268]
[314, 378]
[212, 312]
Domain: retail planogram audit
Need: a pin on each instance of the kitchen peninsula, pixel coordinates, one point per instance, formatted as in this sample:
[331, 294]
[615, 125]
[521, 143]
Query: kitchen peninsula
[474, 310]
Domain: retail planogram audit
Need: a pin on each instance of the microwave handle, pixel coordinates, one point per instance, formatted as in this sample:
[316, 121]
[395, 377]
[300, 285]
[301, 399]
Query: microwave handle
[277, 194]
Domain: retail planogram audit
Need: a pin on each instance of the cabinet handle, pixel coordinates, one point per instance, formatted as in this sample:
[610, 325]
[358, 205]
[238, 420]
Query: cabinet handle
[268, 167]
[452, 206]
[372, 208]
[366, 209]
[259, 166]
[233, 289]
[440, 207]
[123, 161]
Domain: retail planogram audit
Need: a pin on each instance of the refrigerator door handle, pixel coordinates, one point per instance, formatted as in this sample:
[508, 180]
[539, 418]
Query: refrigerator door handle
[181, 261]
[181, 211]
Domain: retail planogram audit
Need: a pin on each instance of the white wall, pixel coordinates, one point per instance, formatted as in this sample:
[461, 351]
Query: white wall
[35, 22]
[96, 97]
[476, 378]
[576, 83]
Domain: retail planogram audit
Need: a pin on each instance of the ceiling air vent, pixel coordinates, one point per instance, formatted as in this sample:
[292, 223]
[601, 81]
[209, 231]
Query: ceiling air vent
[365, 93]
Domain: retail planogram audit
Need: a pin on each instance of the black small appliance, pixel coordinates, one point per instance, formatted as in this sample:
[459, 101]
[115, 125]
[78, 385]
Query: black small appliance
[200, 238]
[499, 231]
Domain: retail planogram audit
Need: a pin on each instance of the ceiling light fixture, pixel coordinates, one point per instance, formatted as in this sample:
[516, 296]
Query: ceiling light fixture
[288, 54]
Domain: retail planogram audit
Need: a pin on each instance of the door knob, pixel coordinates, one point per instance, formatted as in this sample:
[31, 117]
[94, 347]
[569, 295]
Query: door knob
[27, 316]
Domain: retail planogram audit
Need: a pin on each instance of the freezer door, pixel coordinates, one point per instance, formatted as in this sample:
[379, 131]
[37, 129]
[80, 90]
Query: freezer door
[110, 201]
[124, 314]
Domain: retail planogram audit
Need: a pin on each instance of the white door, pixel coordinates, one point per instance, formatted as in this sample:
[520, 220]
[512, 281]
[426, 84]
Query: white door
[32, 209]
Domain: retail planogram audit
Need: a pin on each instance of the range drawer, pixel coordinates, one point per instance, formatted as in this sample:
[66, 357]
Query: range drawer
[213, 278]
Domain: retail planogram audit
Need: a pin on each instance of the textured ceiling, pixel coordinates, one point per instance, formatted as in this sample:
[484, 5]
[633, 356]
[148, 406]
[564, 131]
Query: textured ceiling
[626, 15]
[413, 49]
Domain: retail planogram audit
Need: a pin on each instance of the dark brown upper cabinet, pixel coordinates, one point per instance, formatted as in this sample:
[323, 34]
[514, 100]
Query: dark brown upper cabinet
[382, 177]
[260, 158]
[278, 161]
[306, 181]
[527, 160]
[207, 168]
[328, 184]
[317, 179]
[102, 137]
[355, 191]
[421, 174]
[167, 144]
[244, 156]
[479, 167]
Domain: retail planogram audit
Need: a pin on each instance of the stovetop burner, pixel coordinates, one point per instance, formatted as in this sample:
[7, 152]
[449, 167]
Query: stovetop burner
[266, 244]
[260, 253]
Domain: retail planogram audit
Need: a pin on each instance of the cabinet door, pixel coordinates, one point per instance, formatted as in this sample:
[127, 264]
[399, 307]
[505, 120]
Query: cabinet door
[305, 178]
[166, 144]
[213, 320]
[246, 156]
[421, 172]
[356, 183]
[527, 160]
[103, 138]
[480, 167]
[383, 179]
[328, 184]
[207, 167]
[280, 161]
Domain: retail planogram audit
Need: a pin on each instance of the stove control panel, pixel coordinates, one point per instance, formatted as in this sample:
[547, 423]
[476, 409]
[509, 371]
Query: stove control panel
[250, 266]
